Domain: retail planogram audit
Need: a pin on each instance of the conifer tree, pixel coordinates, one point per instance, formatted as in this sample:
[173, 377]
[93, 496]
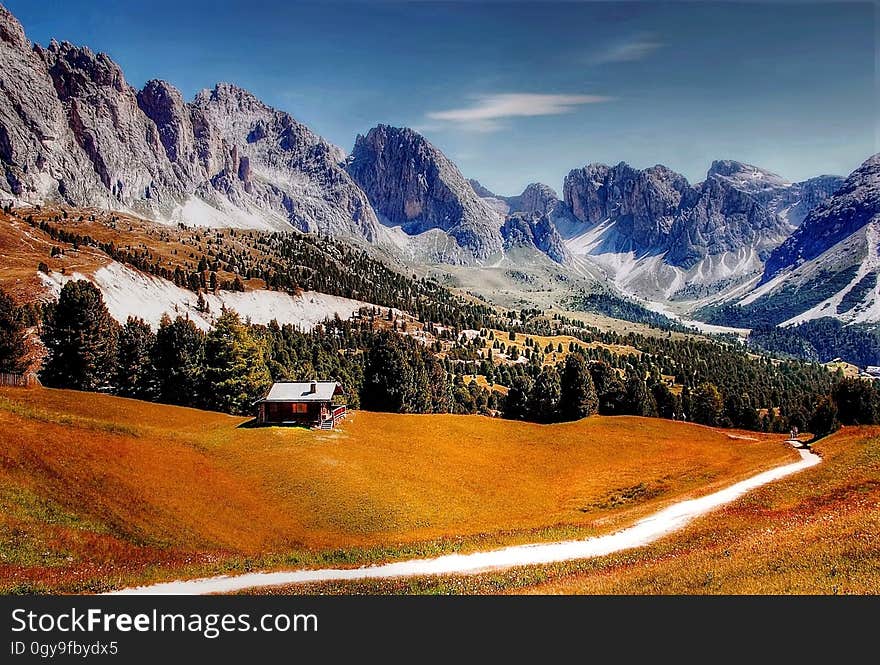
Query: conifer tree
[668, 404]
[388, 376]
[544, 396]
[824, 419]
[236, 374]
[134, 370]
[80, 337]
[707, 405]
[12, 336]
[578, 397]
[639, 401]
[178, 361]
[858, 402]
[609, 388]
[516, 405]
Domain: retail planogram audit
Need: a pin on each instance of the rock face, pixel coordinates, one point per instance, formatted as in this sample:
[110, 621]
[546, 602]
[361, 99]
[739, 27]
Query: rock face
[481, 191]
[72, 130]
[790, 200]
[657, 211]
[855, 204]
[41, 158]
[162, 103]
[120, 141]
[536, 198]
[537, 230]
[716, 218]
[415, 186]
[642, 204]
[263, 159]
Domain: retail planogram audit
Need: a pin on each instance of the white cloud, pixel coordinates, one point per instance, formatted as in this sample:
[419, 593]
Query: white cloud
[630, 51]
[486, 111]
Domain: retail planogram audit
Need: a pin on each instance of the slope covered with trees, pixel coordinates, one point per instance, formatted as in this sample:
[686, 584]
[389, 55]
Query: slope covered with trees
[227, 369]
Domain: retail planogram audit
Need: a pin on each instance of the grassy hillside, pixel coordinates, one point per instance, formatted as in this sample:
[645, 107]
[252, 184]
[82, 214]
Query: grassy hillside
[97, 491]
[814, 532]
[817, 532]
[84, 240]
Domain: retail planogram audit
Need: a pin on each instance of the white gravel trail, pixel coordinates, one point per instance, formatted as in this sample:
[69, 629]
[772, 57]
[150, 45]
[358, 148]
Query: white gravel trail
[645, 531]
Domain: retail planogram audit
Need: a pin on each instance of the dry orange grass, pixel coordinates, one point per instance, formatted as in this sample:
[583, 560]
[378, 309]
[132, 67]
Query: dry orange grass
[484, 383]
[817, 532]
[97, 489]
[554, 356]
[23, 247]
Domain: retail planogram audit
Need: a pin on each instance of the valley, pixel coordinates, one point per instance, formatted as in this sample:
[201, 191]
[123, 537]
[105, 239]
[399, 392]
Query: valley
[812, 533]
[548, 370]
[226, 160]
[100, 492]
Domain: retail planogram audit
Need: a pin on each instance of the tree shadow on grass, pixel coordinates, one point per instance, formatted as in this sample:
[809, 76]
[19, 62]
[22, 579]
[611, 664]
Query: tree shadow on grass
[253, 423]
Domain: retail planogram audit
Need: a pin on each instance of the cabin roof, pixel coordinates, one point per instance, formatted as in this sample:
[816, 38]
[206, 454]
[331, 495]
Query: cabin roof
[300, 391]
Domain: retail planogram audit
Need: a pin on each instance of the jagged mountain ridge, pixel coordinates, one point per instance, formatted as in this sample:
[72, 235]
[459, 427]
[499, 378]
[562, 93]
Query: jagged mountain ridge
[660, 237]
[74, 131]
[657, 211]
[828, 267]
[855, 204]
[537, 230]
[413, 185]
[790, 200]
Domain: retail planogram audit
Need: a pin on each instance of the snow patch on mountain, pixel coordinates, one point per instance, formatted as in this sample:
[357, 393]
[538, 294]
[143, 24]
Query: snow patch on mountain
[647, 273]
[128, 292]
[196, 212]
[865, 311]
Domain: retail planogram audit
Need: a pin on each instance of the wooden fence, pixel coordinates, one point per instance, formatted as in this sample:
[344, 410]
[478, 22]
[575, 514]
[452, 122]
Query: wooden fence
[10, 380]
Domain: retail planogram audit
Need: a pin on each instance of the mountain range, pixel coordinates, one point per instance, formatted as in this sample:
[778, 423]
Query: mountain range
[73, 131]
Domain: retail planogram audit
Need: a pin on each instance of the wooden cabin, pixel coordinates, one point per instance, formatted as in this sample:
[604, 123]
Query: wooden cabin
[319, 404]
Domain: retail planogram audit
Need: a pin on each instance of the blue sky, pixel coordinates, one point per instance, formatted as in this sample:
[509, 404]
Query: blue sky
[521, 92]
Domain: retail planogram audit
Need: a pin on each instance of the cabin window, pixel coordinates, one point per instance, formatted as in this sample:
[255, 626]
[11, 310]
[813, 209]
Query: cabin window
[300, 407]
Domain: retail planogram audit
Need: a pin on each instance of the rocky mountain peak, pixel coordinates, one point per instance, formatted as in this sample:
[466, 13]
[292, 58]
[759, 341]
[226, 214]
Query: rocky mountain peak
[482, 191]
[745, 176]
[164, 105]
[656, 210]
[642, 202]
[849, 208]
[76, 70]
[414, 185]
[537, 231]
[72, 129]
[233, 98]
[536, 198]
[11, 31]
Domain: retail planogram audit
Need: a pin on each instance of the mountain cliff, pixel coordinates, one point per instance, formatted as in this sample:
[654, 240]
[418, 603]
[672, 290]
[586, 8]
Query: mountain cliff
[828, 267]
[73, 130]
[412, 184]
[656, 211]
[790, 200]
[851, 207]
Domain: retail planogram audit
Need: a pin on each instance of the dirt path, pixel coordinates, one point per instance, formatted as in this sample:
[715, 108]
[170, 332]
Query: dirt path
[643, 532]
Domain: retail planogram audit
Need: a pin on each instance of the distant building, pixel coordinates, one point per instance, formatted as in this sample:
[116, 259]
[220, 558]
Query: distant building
[319, 404]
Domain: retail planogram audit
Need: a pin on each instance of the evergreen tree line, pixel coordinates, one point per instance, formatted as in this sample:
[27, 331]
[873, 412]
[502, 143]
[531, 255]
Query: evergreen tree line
[286, 261]
[230, 366]
[223, 369]
[233, 364]
[821, 340]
